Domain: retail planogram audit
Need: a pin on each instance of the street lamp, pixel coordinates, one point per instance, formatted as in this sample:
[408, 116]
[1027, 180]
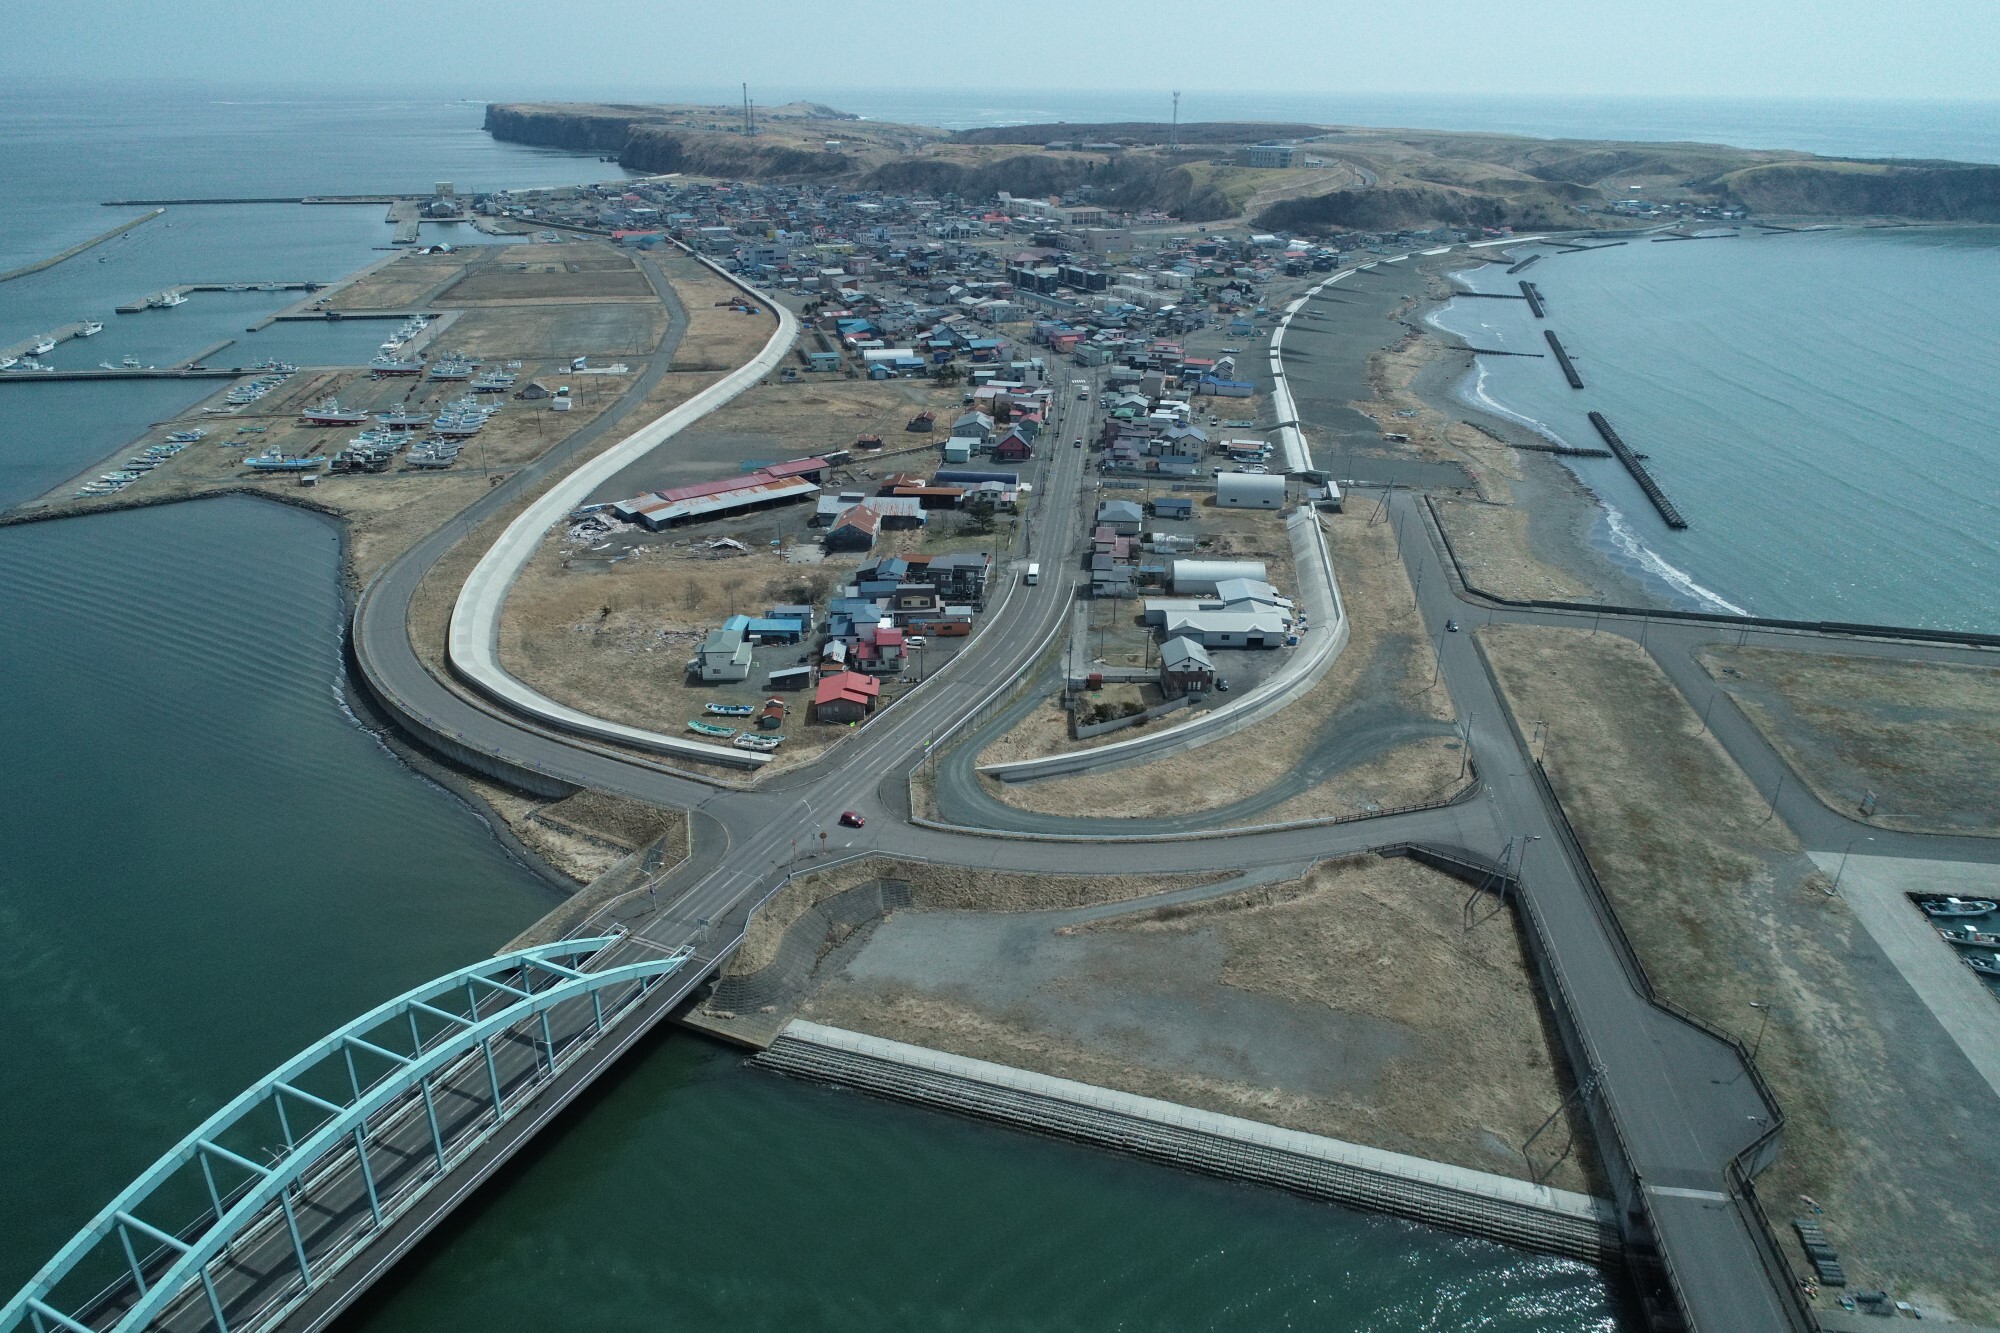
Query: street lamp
[1845, 853]
[1763, 1009]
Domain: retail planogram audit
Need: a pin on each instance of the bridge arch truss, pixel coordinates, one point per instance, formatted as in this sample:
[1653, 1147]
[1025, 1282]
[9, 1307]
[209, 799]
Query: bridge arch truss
[267, 1198]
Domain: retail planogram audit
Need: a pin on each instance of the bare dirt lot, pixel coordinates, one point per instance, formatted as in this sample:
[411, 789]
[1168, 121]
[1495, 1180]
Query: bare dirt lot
[1349, 1002]
[1372, 734]
[1726, 913]
[1923, 736]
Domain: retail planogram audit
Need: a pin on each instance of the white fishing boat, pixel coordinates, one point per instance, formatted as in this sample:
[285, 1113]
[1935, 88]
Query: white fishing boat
[43, 345]
[91, 328]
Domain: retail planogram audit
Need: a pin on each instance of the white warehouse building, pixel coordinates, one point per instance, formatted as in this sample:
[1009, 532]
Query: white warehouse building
[1249, 490]
[1194, 577]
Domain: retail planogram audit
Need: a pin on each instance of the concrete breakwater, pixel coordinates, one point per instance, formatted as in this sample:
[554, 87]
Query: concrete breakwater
[1478, 1203]
[1562, 359]
[1638, 470]
[79, 248]
[1534, 297]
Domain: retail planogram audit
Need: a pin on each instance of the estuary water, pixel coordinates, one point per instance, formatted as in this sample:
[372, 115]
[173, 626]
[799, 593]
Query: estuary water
[208, 863]
[1818, 405]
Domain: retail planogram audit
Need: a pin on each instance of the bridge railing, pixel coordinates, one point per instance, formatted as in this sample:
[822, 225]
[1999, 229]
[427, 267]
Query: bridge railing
[438, 1077]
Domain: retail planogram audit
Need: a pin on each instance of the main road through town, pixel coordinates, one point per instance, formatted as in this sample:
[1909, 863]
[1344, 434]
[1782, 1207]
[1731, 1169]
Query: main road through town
[1682, 1107]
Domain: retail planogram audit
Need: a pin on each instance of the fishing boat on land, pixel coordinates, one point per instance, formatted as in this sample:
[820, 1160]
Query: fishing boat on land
[331, 413]
[1969, 937]
[273, 461]
[731, 710]
[761, 744]
[1957, 907]
[711, 729]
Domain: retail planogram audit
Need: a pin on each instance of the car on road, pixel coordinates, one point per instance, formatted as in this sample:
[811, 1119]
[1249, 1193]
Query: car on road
[1076, 443]
[852, 818]
[1222, 684]
[1451, 627]
[914, 640]
[1231, 351]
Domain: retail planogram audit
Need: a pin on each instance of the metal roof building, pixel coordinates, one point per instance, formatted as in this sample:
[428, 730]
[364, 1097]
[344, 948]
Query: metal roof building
[1204, 576]
[1249, 490]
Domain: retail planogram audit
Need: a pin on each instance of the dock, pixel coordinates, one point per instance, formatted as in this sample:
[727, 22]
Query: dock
[1638, 470]
[142, 305]
[78, 248]
[26, 346]
[259, 199]
[127, 373]
[193, 367]
[405, 218]
[1534, 297]
[1562, 359]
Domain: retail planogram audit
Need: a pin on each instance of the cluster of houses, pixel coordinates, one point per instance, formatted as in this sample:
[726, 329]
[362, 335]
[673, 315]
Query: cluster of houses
[909, 282]
[869, 630]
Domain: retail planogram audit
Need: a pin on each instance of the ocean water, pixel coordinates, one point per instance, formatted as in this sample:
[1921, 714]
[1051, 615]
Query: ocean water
[208, 863]
[1818, 405]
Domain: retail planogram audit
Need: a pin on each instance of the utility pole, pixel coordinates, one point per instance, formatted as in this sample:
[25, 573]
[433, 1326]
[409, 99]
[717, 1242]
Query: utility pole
[1174, 139]
[746, 111]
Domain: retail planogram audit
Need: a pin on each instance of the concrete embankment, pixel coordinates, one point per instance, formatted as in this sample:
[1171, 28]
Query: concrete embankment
[79, 248]
[1478, 1203]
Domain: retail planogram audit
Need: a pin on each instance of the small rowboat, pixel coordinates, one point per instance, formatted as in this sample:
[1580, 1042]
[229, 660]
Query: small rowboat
[761, 744]
[731, 710]
[710, 729]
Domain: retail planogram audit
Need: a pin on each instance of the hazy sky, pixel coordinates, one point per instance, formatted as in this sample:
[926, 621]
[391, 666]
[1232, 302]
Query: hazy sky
[651, 48]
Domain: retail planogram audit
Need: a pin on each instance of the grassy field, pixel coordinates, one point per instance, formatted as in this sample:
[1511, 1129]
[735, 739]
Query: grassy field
[1727, 914]
[1923, 736]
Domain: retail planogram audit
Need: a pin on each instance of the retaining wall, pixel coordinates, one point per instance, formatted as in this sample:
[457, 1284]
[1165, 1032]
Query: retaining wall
[1319, 592]
[1478, 1203]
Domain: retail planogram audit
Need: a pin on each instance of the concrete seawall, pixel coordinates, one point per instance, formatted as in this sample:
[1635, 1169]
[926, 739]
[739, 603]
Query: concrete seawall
[1477, 1203]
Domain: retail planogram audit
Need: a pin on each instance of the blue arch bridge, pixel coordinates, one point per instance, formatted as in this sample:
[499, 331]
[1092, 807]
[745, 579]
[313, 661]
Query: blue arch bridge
[262, 1207]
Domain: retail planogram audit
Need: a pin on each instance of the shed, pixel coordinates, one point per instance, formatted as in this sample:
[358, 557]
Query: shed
[791, 678]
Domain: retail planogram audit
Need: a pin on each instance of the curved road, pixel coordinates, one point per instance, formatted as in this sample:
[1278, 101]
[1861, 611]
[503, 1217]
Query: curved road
[1682, 1107]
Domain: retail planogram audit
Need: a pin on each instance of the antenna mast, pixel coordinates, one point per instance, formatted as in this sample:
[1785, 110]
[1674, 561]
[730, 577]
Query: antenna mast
[1174, 142]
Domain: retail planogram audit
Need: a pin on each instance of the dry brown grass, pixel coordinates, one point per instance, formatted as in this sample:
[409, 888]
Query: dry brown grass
[1360, 938]
[1924, 736]
[1491, 542]
[942, 888]
[617, 641]
[1724, 912]
[1381, 606]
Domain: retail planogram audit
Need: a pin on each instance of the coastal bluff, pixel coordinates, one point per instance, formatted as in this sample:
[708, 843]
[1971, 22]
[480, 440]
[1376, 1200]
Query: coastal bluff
[1352, 177]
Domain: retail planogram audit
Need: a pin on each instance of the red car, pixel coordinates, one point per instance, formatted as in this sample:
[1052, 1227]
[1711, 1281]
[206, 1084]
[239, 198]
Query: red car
[852, 818]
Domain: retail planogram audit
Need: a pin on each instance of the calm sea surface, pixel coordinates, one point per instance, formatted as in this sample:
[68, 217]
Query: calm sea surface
[1819, 407]
[208, 863]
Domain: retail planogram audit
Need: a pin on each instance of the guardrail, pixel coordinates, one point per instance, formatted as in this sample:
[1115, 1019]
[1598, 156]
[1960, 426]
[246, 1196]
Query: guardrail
[1738, 1170]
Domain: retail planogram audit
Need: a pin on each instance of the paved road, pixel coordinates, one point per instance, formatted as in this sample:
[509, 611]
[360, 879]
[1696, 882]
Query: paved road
[1683, 1105]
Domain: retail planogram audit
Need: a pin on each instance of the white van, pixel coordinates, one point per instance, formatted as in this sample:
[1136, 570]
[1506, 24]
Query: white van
[1034, 575]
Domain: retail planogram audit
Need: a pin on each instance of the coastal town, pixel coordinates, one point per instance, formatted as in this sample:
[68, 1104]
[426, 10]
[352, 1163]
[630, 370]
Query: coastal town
[1063, 662]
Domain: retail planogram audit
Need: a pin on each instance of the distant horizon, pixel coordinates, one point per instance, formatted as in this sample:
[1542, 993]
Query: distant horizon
[728, 94]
